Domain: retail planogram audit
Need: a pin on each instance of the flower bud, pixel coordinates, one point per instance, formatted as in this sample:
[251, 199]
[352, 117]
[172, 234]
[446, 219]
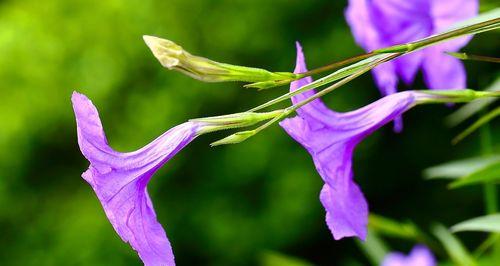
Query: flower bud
[235, 138]
[174, 57]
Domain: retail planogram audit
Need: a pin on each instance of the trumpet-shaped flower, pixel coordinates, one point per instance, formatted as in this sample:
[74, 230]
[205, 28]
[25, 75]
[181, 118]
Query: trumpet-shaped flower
[419, 256]
[331, 137]
[380, 23]
[120, 180]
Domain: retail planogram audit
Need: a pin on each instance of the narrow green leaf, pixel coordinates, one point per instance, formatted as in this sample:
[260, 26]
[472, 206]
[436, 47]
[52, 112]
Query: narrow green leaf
[473, 57]
[374, 247]
[460, 168]
[488, 223]
[455, 249]
[488, 174]
[272, 258]
[481, 121]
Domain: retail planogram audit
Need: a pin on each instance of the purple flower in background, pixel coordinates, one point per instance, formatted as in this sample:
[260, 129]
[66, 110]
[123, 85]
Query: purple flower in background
[331, 138]
[120, 180]
[419, 256]
[380, 23]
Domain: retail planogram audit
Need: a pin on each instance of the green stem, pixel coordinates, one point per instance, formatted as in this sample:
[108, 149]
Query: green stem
[335, 65]
[490, 192]
[471, 57]
[472, 29]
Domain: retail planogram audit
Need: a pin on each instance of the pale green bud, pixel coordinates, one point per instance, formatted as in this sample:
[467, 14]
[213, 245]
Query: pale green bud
[235, 138]
[174, 57]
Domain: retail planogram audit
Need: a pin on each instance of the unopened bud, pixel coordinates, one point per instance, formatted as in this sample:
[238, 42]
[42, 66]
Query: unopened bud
[174, 57]
[234, 138]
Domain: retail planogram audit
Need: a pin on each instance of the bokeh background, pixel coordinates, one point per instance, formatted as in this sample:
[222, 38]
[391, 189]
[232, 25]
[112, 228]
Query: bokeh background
[220, 206]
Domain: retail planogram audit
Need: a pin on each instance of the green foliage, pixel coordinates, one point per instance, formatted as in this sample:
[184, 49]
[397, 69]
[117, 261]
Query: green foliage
[460, 168]
[455, 249]
[487, 174]
[488, 223]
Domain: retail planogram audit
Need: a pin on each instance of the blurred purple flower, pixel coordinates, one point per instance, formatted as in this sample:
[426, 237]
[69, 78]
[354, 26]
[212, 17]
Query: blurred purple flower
[331, 138]
[419, 256]
[380, 23]
[120, 180]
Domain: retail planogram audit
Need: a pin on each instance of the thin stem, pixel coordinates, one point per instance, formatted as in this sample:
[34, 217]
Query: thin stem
[335, 65]
[490, 193]
[471, 57]
[325, 80]
[322, 93]
[490, 190]
[472, 29]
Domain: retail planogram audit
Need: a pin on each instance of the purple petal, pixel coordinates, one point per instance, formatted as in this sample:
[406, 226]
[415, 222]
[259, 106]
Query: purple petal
[330, 138]
[447, 13]
[359, 17]
[120, 180]
[386, 78]
[380, 23]
[443, 72]
[419, 256]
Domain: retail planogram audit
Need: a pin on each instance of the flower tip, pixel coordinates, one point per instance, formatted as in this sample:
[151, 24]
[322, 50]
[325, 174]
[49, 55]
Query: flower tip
[150, 40]
[77, 98]
[298, 46]
[166, 51]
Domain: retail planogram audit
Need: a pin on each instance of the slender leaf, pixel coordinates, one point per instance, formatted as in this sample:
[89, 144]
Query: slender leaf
[460, 168]
[455, 249]
[488, 223]
[480, 122]
[488, 174]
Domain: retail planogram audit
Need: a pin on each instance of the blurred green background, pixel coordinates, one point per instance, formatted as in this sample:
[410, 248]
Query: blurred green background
[220, 206]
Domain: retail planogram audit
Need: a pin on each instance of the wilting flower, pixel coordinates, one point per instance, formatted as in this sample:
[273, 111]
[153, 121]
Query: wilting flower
[379, 23]
[120, 180]
[419, 256]
[331, 138]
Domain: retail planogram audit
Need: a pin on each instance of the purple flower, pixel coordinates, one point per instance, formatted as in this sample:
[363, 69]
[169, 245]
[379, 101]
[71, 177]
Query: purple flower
[120, 180]
[380, 23]
[331, 138]
[419, 256]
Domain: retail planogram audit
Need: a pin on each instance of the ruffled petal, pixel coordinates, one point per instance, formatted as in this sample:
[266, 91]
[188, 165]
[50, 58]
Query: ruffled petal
[120, 180]
[330, 138]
